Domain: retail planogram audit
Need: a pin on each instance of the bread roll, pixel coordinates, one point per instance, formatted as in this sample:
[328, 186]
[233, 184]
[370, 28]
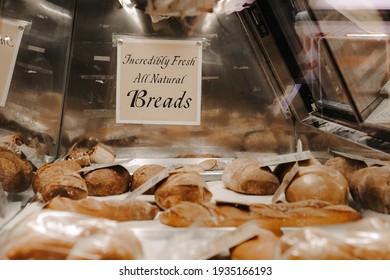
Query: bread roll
[112, 180]
[303, 213]
[15, 173]
[184, 186]
[143, 174]
[118, 210]
[265, 246]
[318, 182]
[244, 175]
[59, 178]
[370, 186]
[51, 235]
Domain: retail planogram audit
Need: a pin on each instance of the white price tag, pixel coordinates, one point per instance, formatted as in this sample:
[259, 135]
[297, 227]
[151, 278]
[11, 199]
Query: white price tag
[287, 179]
[285, 158]
[31, 156]
[226, 241]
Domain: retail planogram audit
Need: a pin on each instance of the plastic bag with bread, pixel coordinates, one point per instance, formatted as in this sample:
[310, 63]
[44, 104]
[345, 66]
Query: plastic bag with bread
[366, 239]
[58, 235]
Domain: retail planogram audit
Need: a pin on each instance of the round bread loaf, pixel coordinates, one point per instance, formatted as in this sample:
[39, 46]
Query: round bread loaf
[244, 175]
[112, 180]
[371, 188]
[15, 173]
[59, 178]
[318, 182]
[178, 187]
[265, 246]
[143, 174]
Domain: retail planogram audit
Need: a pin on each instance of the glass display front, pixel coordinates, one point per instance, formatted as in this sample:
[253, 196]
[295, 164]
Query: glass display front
[338, 53]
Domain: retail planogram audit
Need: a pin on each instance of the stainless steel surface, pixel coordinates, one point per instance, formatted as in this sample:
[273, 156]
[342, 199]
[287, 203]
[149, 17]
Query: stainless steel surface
[340, 59]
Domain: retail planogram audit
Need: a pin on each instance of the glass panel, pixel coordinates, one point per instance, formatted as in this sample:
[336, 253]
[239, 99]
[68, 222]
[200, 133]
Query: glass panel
[239, 112]
[339, 52]
[34, 104]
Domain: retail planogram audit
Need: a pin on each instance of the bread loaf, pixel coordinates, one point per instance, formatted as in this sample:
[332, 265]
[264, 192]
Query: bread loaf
[370, 187]
[244, 175]
[303, 213]
[112, 180]
[185, 214]
[183, 186]
[118, 210]
[143, 174]
[318, 182]
[15, 173]
[59, 178]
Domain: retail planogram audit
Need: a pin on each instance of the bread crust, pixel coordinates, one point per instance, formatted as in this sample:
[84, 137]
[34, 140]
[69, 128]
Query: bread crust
[187, 214]
[143, 174]
[346, 166]
[183, 186]
[304, 213]
[318, 182]
[112, 180]
[15, 173]
[118, 210]
[59, 179]
[370, 187]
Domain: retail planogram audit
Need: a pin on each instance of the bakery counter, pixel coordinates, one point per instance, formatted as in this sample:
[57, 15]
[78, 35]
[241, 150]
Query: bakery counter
[193, 208]
[210, 241]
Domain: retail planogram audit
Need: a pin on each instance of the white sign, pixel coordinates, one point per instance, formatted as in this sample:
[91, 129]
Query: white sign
[11, 32]
[158, 81]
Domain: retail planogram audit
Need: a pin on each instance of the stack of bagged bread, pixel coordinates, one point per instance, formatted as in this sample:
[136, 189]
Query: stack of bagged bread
[58, 235]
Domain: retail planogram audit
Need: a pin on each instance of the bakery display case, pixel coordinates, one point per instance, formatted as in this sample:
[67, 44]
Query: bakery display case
[194, 129]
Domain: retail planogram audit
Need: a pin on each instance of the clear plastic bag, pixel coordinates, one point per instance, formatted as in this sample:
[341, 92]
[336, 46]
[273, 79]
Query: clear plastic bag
[49, 234]
[367, 239]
